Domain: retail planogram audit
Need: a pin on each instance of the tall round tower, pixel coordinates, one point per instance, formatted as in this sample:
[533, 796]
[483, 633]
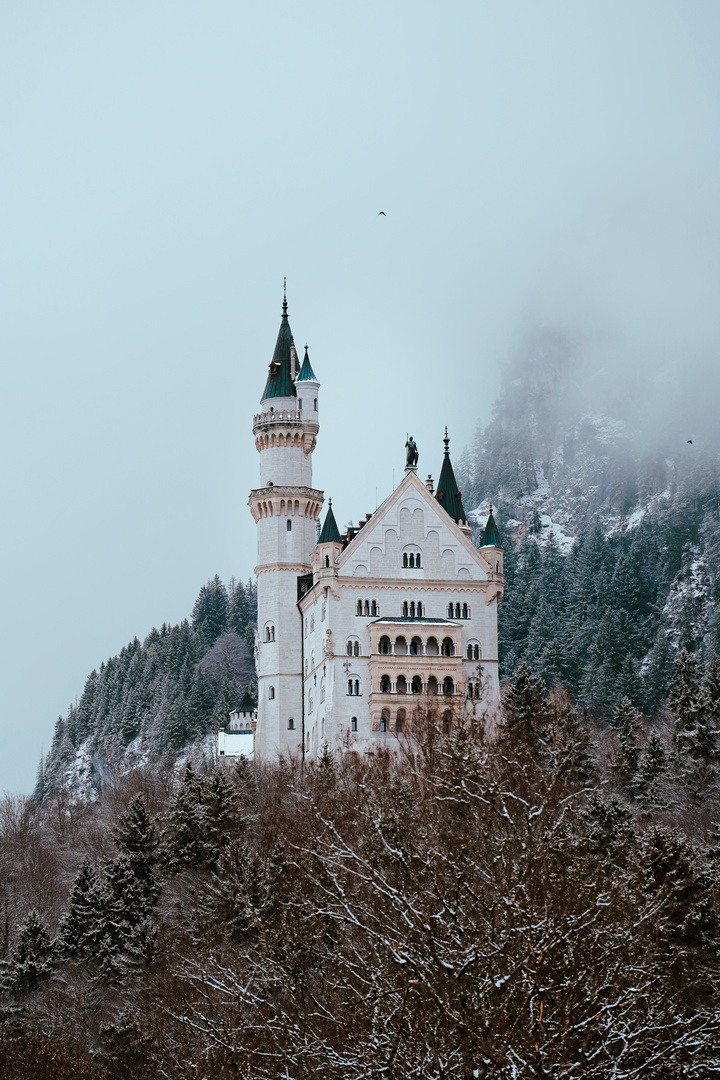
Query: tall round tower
[286, 508]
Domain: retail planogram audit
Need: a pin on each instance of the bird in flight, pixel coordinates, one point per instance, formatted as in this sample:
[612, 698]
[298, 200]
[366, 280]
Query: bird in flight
[383, 213]
[690, 441]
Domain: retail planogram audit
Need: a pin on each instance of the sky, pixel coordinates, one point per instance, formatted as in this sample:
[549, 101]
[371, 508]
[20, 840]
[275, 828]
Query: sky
[166, 164]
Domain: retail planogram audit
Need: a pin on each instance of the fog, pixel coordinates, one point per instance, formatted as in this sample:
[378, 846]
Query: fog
[167, 164]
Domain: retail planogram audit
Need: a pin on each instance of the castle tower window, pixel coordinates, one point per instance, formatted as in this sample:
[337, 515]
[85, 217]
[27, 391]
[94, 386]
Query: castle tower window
[450, 611]
[373, 608]
[412, 561]
[457, 611]
[327, 558]
[470, 690]
[405, 559]
[291, 724]
[416, 646]
[359, 607]
[412, 609]
[350, 648]
[476, 652]
[418, 564]
[417, 684]
[405, 610]
[384, 719]
[419, 610]
[401, 646]
[431, 647]
[401, 685]
[447, 721]
[448, 686]
[271, 692]
[469, 652]
[384, 645]
[353, 723]
[448, 649]
[385, 684]
[289, 525]
[356, 688]
[367, 608]
[432, 685]
[349, 687]
[400, 720]
[356, 648]
[315, 404]
[464, 611]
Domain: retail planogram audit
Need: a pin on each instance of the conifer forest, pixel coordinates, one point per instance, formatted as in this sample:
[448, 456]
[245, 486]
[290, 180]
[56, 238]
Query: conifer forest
[544, 902]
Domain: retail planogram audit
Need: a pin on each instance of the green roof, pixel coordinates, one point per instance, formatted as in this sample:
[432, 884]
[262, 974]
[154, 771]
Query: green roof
[306, 372]
[330, 533]
[447, 490]
[491, 536]
[280, 376]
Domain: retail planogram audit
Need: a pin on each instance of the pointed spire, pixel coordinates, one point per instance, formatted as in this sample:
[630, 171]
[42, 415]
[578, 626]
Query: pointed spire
[280, 375]
[491, 536]
[447, 490]
[306, 372]
[330, 533]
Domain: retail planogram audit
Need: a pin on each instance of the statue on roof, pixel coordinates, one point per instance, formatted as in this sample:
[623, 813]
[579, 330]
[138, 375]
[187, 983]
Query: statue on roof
[411, 458]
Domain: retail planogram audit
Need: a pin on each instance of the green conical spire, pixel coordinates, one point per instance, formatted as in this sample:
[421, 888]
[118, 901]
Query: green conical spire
[447, 490]
[491, 536]
[330, 533]
[280, 376]
[306, 372]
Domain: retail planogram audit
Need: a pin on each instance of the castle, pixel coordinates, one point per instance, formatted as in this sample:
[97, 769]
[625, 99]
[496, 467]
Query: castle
[355, 631]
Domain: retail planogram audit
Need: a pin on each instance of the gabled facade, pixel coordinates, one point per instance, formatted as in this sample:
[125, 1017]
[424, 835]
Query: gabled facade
[355, 632]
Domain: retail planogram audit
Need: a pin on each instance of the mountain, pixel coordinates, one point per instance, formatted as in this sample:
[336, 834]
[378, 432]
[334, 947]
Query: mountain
[158, 696]
[611, 535]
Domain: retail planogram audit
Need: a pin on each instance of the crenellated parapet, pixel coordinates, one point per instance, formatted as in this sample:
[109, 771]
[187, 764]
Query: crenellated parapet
[277, 501]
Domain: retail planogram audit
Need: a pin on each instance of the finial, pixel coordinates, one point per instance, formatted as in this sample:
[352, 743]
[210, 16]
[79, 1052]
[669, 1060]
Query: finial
[446, 440]
[329, 503]
[284, 311]
[491, 508]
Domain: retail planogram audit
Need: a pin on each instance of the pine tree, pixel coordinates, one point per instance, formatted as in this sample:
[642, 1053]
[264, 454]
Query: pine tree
[524, 703]
[32, 960]
[628, 723]
[651, 766]
[83, 926]
[189, 840]
[695, 731]
[136, 837]
[210, 613]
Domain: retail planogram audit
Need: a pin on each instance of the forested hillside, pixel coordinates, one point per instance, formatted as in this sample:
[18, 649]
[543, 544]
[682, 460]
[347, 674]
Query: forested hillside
[159, 695]
[612, 534]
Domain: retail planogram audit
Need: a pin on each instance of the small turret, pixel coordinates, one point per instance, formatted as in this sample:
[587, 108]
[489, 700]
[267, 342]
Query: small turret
[280, 381]
[328, 548]
[491, 544]
[447, 491]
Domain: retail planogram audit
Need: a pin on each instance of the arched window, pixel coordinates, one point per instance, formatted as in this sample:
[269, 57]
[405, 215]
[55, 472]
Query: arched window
[289, 525]
[385, 684]
[431, 647]
[405, 609]
[350, 648]
[448, 649]
[356, 648]
[384, 645]
[470, 690]
[417, 684]
[349, 687]
[359, 607]
[356, 688]
[469, 652]
[271, 692]
[476, 652]
[448, 686]
[418, 564]
[367, 608]
[315, 404]
[464, 611]
[412, 609]
[327, 557]
[419, 610]
[432, 685]
[291, 724]
[411, 561]
[384, 719]
[405, 559]
[450, 611]
[447, 721]
[401, 685]
[400, 720]
[353, 723]
[400, 646]
[457, 611]
[373, 608]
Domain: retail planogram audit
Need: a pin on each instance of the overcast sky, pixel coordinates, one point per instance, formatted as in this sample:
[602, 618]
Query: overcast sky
[165, 164]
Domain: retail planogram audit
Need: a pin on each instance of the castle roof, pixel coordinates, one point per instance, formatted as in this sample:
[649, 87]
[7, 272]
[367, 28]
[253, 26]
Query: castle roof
[280, 375]
[491, 536]
[330, 533]
[306, 372]
[447, 490]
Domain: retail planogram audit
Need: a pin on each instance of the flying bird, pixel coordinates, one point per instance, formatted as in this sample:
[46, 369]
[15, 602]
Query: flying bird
[383, 213]
[690, 441]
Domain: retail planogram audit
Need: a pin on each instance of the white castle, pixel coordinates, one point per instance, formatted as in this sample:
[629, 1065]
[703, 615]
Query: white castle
[356, 631]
